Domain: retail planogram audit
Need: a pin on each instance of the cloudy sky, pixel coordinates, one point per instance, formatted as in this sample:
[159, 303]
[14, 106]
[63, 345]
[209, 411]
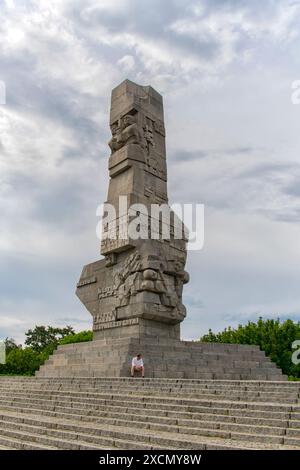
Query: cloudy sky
[225, 69]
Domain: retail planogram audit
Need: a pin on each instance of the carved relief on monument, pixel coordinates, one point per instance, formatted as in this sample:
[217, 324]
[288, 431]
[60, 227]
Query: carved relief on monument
[137, 128]
[148, 273]
[125, 279]
[157, 192]
[159, 127]
[148, 135]
[125, 131]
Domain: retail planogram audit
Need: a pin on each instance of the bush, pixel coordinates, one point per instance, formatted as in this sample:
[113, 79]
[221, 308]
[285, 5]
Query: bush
[43, 341]
[80, 337]
[273, 337]
[22, 362]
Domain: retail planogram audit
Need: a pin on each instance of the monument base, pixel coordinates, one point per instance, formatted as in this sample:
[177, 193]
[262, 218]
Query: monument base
[164, 357]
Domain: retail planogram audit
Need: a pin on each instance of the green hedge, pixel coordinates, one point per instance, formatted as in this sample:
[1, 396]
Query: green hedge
[80, 337]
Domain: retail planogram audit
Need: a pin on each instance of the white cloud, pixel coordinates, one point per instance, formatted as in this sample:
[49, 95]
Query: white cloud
[127, 63]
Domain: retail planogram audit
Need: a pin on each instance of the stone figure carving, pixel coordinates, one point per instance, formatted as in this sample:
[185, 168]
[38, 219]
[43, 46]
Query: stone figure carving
[124, 132]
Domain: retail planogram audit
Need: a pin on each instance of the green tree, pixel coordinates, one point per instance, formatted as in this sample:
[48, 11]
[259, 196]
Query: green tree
[10, 345]
[273, 337]
[42, 337]
[22, 361]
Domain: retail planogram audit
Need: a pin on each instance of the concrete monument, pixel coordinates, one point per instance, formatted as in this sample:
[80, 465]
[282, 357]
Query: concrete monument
[134, 293]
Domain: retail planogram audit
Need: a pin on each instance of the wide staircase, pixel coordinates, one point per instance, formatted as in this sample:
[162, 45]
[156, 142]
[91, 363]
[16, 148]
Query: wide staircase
[163, 359]
[125, 413]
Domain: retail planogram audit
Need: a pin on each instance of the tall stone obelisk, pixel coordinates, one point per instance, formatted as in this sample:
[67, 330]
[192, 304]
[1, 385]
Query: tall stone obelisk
[136, 290]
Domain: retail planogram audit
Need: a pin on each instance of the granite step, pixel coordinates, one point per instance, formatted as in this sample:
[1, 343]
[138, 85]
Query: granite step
[22, 439]
[253, 395]
[103, 408]
[45, 436]
[2, 447]
[93, 381]
[169, 413]
[202, 358]
[22, 442]
[223, 373]
[157, 395]
[202, 369]
[137, 387]
[75, 435]
[143, 384]
[206, 383]
[124, 399]
[292, 441]
[80, 410]
[210, 427]
[224, 408]
[207, 428]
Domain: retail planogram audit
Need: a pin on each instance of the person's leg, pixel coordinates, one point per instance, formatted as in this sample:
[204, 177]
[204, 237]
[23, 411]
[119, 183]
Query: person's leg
[132, 371]
[143, 371]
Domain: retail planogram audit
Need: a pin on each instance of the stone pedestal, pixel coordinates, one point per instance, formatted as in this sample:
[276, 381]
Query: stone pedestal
[163, 358]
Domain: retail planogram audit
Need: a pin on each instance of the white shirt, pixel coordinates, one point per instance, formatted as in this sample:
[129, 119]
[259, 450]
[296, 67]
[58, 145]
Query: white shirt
[137, 362]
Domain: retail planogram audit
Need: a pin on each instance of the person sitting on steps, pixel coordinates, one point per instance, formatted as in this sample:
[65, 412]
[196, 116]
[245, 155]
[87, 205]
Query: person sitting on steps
[137, 365]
